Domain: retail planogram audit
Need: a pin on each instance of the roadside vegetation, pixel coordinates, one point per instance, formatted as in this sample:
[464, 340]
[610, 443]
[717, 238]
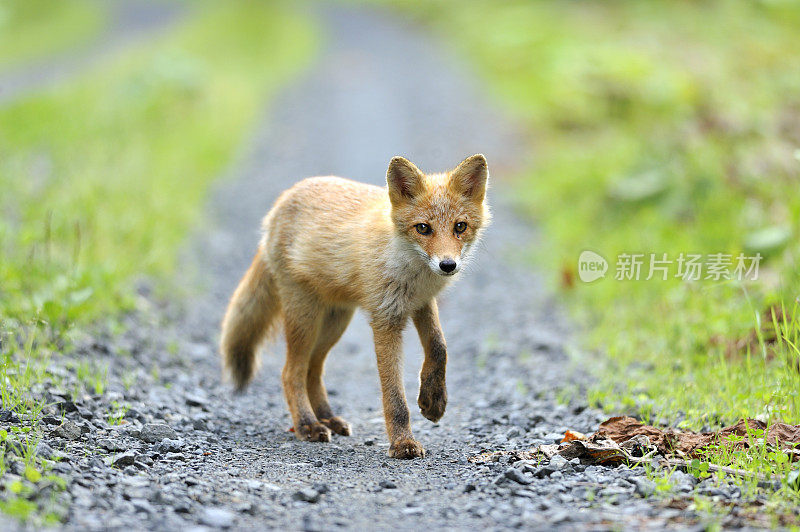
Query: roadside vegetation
[103, 176]
[32, 29]
[664, 128]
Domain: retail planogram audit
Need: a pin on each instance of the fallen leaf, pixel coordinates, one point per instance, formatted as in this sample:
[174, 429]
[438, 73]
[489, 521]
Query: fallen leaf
[625, 439]
[671, 441]
[567, 276]
[549, 450]
[571, 435]
[600, 451]
[638, 446]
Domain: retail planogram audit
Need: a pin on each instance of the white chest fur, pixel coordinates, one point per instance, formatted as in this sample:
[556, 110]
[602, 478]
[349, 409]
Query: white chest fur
[407, 279]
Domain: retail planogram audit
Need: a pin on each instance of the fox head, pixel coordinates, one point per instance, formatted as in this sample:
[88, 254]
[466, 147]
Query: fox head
[441, 215]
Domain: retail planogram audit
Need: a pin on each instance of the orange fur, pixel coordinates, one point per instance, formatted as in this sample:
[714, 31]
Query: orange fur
[331, 245]
[251, 313]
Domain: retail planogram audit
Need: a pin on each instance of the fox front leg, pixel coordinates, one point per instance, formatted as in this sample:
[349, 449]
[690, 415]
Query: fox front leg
[388, 349]
[432, 398]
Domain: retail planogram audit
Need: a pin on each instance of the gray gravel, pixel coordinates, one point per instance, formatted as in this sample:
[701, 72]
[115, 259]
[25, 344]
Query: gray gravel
[190, 453]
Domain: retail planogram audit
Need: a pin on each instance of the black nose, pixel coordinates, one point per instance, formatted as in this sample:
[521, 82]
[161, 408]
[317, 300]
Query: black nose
[447, 265]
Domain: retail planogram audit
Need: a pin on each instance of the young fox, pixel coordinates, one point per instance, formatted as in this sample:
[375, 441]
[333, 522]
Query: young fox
[331, 245]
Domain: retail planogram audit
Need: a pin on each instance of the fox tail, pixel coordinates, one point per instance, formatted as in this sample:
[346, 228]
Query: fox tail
[251, 316]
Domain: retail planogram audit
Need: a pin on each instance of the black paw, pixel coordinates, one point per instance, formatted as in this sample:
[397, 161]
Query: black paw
[432, 399]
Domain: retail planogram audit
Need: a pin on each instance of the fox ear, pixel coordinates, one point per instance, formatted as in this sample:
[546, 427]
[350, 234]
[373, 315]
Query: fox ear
[470, 177]
[405, 180]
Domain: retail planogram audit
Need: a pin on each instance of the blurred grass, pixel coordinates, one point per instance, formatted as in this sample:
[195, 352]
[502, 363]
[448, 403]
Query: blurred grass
[655, 132]
[30, 29]
[659, 127]
[103, 177]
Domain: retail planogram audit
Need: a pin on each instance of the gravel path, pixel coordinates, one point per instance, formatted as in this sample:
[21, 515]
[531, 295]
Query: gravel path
[191, 453]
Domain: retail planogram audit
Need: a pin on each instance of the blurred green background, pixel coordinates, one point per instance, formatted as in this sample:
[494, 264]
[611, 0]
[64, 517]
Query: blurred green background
[653, 127]
[104, 173]
[661, 127]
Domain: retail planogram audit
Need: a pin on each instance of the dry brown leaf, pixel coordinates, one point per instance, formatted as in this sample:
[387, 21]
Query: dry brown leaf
[625, 439]
[571, 435]
[672, 441]
[567, 276]
[548, 451]
[600, 451]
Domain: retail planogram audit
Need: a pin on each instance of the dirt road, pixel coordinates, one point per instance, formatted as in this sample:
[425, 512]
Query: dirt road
[193, 453]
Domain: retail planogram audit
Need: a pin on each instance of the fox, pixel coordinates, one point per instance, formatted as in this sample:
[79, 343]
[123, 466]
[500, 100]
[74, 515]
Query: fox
[331, 245]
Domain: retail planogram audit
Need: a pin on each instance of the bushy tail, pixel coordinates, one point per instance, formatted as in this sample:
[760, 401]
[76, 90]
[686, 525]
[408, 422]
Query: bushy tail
[251, 314]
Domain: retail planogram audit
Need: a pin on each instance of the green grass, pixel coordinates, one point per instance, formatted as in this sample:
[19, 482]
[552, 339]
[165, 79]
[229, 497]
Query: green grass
[104, 177]
[32, 29]
[659, 127]
[655, 133]
[17, 492]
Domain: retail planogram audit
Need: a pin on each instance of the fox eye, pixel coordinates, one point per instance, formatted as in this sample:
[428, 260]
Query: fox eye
[423, 229]
[460, 227]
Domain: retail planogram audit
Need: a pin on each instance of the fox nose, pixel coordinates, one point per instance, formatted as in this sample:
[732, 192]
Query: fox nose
[447, 265]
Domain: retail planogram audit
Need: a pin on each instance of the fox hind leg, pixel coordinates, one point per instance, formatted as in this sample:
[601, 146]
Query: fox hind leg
[334, 323]
[302, 321]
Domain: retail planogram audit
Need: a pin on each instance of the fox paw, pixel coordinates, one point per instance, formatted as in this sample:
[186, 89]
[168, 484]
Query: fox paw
[432, 400]
[313, 432]
[405, 449]
[337, 425]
